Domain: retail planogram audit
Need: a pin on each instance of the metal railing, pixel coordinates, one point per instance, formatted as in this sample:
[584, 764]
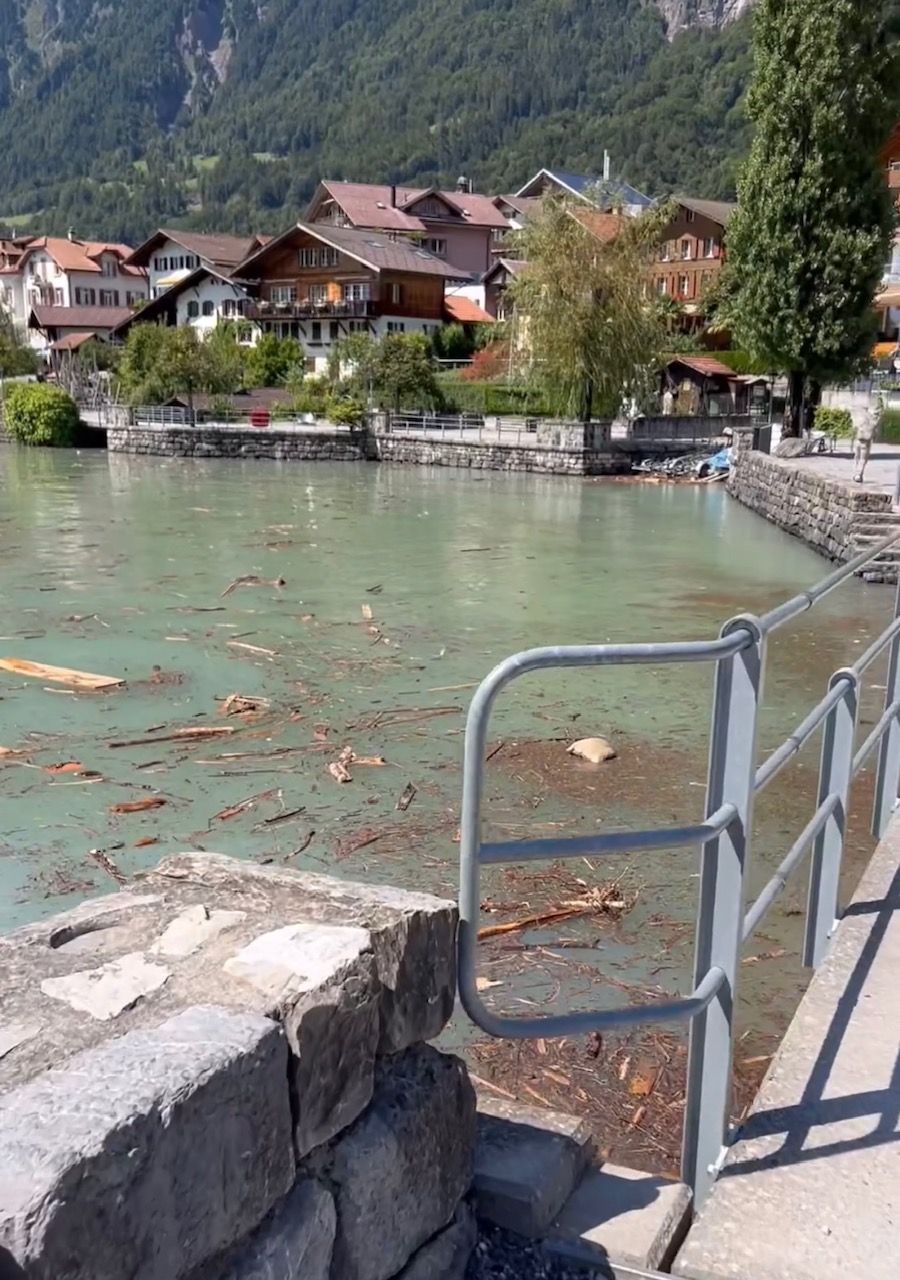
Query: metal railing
[278, 418]
[723, 837]
[466, 427]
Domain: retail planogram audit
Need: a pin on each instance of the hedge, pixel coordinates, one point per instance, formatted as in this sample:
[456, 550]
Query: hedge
[493, 398]
[40, 414]
[890, 426]
[834, 422]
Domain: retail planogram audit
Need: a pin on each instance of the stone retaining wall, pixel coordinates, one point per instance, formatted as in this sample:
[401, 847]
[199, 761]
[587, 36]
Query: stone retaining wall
[485, 456]
[222, 1075]
[825, 514]
[241, 442]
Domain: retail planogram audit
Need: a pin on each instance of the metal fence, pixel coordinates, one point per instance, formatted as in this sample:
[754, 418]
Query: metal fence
[723, 837]
[467, 427]
[258, 418]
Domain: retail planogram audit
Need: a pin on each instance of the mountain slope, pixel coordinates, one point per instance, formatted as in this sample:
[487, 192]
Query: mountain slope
[105, 108]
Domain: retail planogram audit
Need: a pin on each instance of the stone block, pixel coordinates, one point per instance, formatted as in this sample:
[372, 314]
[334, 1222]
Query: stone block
[294, 1243]
[196, 915]
[527, 1163]
[400, 1172]
[446, 1256]
[148, 1155]
[621, 1217]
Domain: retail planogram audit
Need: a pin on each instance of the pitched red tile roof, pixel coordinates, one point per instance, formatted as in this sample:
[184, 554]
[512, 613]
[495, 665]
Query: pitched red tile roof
[96, 318]
[708, 366]
[81, 255]
[605, 226]
[465, 311]
[386, 209]
[71, 342]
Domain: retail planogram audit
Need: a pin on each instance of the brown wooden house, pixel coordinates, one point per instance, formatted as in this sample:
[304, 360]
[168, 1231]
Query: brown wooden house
[318, 284]
[691, 254]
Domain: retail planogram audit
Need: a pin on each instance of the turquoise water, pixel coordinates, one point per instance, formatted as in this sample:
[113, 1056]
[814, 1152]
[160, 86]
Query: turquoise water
[118, 566]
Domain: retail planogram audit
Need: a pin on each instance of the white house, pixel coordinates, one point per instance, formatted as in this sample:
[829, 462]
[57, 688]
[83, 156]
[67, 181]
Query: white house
[57, 277]
[201, 299]
[169, 257]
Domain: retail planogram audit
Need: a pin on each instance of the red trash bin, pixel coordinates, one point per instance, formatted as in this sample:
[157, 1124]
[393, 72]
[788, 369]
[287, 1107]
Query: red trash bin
[259, 418]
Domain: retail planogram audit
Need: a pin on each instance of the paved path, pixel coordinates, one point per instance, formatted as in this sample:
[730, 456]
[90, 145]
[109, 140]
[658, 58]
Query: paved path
[812, 1192]
[881, 473]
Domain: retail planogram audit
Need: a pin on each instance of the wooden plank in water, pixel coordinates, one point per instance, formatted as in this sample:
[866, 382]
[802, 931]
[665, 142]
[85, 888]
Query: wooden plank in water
[60, 675]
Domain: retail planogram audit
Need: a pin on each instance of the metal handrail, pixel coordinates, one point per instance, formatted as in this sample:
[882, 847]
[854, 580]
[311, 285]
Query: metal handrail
[724, 837]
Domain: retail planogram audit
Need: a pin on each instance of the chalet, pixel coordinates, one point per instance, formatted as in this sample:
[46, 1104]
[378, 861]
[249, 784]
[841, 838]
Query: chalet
[692, 251]
[704, 385]
[200, 299]
[496, 282]
[459, 227]
[169, 256]
[605, 192]
[318, 283]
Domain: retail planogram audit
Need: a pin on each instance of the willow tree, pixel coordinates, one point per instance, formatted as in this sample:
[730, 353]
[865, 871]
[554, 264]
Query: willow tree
[585, 323]
[813, 228]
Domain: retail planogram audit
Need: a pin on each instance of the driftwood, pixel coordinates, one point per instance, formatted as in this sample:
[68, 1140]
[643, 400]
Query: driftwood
[60, 675]
[180, 735]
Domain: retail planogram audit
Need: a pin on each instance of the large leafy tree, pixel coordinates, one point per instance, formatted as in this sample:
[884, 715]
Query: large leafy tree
[814, 223]
[583, 320]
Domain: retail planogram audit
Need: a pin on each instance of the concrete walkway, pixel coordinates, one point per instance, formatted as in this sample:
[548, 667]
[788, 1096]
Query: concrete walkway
[812, 1190]
[880, 476]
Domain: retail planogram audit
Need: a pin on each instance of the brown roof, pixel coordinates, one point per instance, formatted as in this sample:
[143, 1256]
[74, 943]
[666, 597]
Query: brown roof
[82, 255]
[525, 205]
[393, 209]
[605, 226]
[96, 318]
[719, 211]
[71, 342]
[708, 366]
[465, 311]
[381, 253]
[224, 251]
[512, 266]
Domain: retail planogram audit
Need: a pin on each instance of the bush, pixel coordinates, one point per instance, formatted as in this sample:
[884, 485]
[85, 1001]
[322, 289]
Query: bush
[40, 414]
[742, 362]
[834, 422]
[890, 426]
[345, 411]
[463, 396]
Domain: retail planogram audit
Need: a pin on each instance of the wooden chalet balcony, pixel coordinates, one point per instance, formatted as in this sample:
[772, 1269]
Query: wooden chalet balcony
[304, 309]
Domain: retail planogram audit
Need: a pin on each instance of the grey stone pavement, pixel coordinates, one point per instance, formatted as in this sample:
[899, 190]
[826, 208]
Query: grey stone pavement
[812, 1189]
[880, 474]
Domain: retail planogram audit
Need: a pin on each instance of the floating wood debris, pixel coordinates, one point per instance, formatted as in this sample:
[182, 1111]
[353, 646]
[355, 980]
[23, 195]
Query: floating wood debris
[60, 675]
[252, 580]
[138, 806]
[252, 648]
[407, 795]
[366, 610]
[339, 771]
[237, 704]
[105, 862]
[199, 731]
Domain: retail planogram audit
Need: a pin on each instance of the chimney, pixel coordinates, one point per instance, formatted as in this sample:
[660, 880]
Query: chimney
[606, 166]
[463, 185]
[71, 233]
[393, 196]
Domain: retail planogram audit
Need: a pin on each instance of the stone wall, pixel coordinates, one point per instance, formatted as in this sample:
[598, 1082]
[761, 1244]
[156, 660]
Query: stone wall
[281, 445]
[833, 518]
[487, 456]
[222, 1075]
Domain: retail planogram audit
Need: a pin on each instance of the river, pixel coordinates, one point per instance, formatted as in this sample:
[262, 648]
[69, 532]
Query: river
[401, 589]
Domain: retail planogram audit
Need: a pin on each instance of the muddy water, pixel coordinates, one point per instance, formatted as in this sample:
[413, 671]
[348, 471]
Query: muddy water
[401, 588]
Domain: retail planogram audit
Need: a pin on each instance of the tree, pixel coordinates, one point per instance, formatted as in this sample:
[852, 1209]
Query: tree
[16, 360]
[41, 414]
[271, 360]
[351, 364]
[584, 322]
[159, 362]
[814, 223]
[404, 371]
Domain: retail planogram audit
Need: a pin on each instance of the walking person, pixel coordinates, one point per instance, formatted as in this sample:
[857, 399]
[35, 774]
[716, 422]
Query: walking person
[866, 425]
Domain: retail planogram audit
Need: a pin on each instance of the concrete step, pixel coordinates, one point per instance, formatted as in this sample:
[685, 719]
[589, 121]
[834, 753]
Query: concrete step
[536, 1175]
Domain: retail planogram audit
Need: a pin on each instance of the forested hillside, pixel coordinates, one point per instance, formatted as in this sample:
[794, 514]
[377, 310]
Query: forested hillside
[114, 117]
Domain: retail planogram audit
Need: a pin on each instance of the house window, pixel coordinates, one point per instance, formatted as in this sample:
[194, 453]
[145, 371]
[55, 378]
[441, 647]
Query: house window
[58, 299]
[666, 255]
[85, 298]
[689, 215]
[316, 331]
[328, 257]
[684, 286]
[357, 292]
[193, 261]
[317, 294]
[431, 209]
[109, 297]
[334, 331]
[193, 310]
[357, 326]
[132, 298]
[396, 326]
[498, 234]
[436, 245]
[110, 267]
[209, 308]
[309, 257]
[396, 293]
[686, 249]
[709, 247]
[282, 293]
[662, 287]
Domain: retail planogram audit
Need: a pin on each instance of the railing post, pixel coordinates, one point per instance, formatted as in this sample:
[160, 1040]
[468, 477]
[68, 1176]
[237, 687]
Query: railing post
[888, 775]
[723, 868]
[835, 776]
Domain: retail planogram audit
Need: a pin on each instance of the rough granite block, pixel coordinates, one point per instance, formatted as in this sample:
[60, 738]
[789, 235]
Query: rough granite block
[400, 1172]
[527, 1163]
[446, 1256]
[148, 1155]
[294, 1243]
